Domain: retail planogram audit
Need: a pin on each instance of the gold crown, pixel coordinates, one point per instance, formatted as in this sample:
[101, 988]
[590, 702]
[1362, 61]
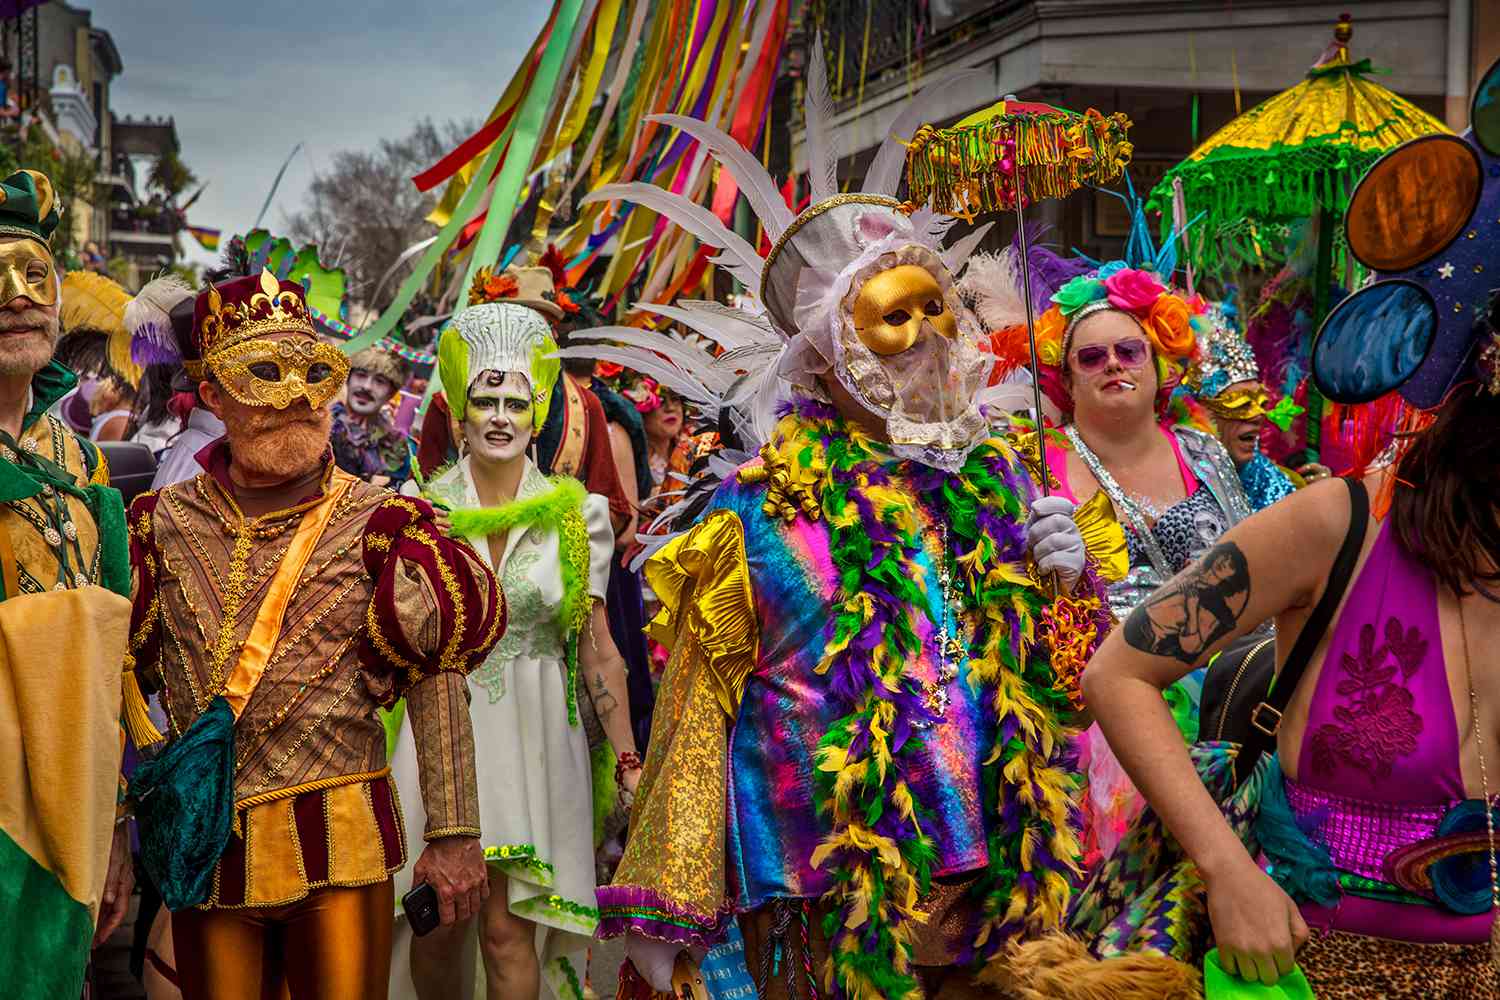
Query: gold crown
[270, 309]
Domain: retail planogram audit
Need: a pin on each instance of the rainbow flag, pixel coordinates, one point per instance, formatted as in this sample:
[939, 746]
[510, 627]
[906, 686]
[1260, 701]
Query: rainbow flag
[59, 771]
[207, 238]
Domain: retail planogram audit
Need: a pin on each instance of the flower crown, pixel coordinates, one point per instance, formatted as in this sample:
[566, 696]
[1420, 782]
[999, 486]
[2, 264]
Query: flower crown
[1165, 316]
[643, 392]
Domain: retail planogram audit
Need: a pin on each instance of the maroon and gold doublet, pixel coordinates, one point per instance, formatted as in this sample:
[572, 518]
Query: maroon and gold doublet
[384, 608]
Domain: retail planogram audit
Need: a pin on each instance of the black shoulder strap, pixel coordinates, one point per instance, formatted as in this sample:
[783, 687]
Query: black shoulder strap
[1266, 717]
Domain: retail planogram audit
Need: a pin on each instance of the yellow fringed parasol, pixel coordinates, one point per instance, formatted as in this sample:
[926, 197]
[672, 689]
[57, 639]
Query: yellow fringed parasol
[92, 301]
[1290, 157]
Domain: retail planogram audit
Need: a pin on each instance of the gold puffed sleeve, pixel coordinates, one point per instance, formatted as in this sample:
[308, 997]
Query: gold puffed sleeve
[670, 884]
[1103, 536]
[703, 584]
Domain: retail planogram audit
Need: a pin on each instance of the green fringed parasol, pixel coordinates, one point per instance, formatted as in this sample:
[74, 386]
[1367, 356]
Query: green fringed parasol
[1289, 158]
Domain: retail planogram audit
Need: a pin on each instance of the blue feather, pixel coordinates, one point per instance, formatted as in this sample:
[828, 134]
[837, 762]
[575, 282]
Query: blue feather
[1304, 869]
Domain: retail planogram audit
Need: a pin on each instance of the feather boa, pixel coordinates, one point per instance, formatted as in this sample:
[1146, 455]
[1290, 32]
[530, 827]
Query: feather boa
[560, 509]
[880, 858]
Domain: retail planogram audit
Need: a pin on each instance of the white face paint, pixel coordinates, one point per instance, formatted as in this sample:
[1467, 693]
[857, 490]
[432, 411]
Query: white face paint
[497, 419]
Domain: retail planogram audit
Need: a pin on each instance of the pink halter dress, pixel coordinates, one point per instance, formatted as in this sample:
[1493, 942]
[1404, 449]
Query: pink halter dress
[1379, 767]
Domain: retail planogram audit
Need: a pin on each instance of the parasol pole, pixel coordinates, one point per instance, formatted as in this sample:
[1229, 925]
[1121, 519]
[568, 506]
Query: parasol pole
[1036, 380]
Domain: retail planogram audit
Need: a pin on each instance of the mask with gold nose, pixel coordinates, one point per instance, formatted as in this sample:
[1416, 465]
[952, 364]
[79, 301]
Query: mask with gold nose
[891, 307]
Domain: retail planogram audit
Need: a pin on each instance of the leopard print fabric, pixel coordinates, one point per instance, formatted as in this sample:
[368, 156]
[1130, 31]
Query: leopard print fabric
[1342, 966]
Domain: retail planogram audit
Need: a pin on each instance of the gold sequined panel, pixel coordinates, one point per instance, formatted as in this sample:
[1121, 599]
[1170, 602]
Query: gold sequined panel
[676, 844]
[36, 531]
[313, 713]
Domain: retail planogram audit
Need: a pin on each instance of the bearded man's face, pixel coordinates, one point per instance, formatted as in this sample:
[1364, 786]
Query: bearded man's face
[28, 336]
[276, 444]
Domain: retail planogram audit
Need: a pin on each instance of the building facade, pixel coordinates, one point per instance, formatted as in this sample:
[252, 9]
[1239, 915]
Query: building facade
[1165, 63]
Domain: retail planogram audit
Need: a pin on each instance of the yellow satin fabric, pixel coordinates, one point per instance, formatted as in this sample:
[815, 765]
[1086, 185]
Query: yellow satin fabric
[703, 584]
[1103, 536]
[256, 652]
[59, 730]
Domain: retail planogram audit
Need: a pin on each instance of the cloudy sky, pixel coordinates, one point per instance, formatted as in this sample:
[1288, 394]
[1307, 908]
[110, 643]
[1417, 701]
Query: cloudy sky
[247, 82]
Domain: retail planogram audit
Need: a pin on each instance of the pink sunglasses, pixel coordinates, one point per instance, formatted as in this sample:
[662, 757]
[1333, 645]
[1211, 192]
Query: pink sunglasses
[1132, 353]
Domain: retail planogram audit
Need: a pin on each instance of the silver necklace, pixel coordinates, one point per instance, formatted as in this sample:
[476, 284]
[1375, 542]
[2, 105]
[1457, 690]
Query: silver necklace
[1124, 503]
[951, 649]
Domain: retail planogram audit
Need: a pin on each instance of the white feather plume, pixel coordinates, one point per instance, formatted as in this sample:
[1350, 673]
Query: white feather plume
[817, 118]
[647, 363]
[693, 361]
[957, 255]
[751, 176]
[744, 263]
[729, 328]
[148, 317]
[992, 287]
[884, 175]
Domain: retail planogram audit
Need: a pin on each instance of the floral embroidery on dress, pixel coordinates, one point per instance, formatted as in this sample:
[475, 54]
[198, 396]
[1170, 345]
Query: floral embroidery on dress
[1376, 725]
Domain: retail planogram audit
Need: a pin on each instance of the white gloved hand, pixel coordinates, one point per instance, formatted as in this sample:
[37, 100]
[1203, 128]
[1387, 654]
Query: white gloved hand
[1054, 541]
[655, 960]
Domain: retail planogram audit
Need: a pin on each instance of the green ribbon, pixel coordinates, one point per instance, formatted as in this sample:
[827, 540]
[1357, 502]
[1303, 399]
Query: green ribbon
[530, 121]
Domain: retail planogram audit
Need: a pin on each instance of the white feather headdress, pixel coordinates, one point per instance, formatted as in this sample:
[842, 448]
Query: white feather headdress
[786, 331]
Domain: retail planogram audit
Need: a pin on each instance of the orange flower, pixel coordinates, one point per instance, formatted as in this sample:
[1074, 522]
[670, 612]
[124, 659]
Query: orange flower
[607, 369]
[1168, 326]
[1050, 327]
[566, 303]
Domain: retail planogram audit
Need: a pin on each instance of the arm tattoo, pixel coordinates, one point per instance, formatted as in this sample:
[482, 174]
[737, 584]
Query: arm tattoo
[604, 702]
[1196, 609]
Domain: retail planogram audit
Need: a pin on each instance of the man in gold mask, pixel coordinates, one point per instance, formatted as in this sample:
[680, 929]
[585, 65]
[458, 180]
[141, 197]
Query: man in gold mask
[277, 603]
[64, 860]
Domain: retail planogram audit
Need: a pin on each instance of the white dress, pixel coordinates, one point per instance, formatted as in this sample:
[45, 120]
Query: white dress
[535, 788]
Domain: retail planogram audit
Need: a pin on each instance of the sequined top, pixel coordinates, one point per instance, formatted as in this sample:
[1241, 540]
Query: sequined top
[1265, 482]
[1215, 503]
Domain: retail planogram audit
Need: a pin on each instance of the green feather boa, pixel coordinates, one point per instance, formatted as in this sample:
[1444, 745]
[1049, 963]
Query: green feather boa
[560, 509]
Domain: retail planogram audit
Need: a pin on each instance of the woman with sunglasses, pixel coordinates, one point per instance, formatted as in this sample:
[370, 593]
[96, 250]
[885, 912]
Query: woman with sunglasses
[1111, 348]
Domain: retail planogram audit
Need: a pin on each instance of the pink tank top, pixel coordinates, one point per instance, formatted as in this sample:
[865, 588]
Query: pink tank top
[1379, 766]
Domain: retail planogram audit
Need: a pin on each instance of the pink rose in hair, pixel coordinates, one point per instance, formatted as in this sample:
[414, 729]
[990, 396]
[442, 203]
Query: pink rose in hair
[1133, 291]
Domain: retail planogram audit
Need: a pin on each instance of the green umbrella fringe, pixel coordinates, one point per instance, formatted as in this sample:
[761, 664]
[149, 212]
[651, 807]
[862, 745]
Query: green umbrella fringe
[943, 164]
[1293, 186]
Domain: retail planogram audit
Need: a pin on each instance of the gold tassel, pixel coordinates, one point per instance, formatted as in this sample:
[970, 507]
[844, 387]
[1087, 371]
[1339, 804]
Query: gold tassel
[143, 732]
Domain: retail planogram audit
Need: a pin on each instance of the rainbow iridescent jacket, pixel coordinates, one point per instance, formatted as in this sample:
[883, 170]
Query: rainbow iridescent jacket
[737, 805]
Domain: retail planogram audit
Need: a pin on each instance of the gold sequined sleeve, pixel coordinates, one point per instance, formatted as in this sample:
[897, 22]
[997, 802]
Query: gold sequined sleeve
[435, 614]
[438, 708]
[670, 884]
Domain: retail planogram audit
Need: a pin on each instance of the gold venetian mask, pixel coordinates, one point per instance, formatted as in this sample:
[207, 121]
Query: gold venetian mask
[1243, 402]
[276, 373]
[26, 269]
[891, 306]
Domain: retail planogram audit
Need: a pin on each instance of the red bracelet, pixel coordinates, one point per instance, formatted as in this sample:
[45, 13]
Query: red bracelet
[627, 761]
